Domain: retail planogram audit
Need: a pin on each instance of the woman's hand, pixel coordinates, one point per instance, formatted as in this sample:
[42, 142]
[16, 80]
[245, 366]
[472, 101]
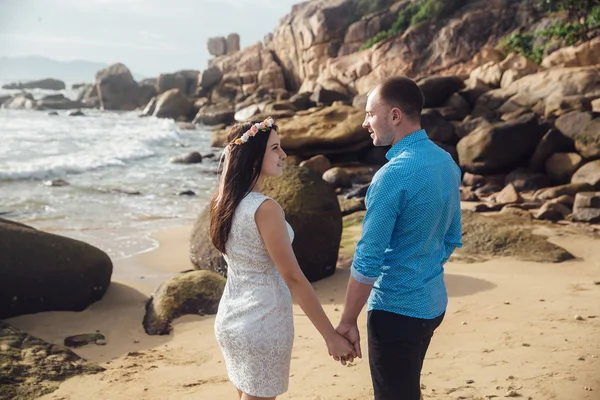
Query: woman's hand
[340, 348]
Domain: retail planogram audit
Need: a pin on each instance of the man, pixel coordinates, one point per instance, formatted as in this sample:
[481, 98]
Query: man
[411, 228]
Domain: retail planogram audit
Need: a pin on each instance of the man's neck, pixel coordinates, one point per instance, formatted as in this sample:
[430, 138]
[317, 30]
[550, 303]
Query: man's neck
[406, 132]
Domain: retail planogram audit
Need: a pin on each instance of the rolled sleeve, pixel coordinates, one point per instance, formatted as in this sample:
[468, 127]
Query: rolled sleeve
[384, 200]
[360, 277]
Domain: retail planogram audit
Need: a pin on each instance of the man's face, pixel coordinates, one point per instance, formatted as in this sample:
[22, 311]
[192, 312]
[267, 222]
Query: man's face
[378, 120]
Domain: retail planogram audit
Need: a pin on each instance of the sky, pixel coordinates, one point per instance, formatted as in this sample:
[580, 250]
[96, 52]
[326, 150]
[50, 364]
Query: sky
[149, 36]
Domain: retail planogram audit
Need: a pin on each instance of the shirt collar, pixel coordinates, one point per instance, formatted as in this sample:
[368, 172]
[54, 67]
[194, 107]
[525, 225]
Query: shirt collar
[405, 143]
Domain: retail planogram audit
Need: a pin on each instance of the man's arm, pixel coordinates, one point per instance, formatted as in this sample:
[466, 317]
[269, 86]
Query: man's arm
[384, 200]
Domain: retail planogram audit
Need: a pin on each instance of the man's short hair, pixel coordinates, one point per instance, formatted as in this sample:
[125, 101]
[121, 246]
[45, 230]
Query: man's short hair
[404, 93]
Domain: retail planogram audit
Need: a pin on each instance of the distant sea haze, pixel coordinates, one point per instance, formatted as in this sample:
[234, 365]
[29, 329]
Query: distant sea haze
[28, 68]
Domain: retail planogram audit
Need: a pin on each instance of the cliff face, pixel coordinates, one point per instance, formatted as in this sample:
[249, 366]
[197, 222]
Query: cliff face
[318, 45]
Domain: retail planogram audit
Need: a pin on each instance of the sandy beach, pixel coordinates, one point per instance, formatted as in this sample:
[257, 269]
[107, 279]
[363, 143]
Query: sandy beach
[510, 326]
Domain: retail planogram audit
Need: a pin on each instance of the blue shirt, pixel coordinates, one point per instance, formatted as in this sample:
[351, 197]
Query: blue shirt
[411, 227]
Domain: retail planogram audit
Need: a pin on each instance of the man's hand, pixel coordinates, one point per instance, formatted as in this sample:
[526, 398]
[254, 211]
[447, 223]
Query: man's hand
[350, 332]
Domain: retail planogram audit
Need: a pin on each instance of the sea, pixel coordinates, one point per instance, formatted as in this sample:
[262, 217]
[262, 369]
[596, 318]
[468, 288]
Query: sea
[120, 184]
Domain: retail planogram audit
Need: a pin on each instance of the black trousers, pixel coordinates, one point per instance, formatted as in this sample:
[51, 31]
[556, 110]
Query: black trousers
[397, 348]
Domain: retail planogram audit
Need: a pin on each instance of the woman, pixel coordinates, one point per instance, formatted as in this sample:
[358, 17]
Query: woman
[254, 324]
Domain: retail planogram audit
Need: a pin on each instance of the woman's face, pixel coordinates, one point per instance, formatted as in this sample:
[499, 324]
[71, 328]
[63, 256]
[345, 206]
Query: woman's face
[272, 164]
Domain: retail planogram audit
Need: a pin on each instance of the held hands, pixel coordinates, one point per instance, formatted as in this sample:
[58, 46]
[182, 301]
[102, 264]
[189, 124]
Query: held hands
[340, 348]
[351, 333]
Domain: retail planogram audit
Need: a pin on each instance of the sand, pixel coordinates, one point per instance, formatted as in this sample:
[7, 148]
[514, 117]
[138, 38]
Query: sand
[510, 325]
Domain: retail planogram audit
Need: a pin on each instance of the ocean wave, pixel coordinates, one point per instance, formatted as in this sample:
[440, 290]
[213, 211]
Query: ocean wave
[62, 165]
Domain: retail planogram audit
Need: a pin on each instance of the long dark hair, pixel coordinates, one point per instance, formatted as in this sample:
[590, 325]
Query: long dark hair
[241, 168]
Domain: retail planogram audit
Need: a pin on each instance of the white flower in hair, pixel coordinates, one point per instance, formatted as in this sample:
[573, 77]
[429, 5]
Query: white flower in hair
[254, 129]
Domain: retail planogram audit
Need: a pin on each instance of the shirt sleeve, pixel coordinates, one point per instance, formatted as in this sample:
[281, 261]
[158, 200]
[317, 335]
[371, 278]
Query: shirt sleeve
[385, 198]
[453, 238]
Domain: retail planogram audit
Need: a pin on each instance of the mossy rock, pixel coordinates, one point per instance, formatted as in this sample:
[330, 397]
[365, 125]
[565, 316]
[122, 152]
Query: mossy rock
[311, 208]
[484, 237]
[31, 367]
[40, 271]
[203, 254]
[192, 292]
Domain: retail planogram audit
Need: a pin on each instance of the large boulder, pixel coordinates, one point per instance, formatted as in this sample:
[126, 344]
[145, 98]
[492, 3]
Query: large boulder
[171, 81]
[117, 90]
[57, 102]
[544, 88]
[552, 142]
[501, 146]
[583, 55]
[31, 367]
[587, 207]
[311, 208]
[331, 130]
[215, 114]
[569, 189]
[20, 101]
[208, 78]
[587, 142]
[588, 173]
[515, 67]
[319, 164]
[173, 104]
[437, 127]
[203, 254]
[192, 292]
[561, 166]
[438, 89]
[44, 272]
[217, 46]
[572, 123]
[233, 43]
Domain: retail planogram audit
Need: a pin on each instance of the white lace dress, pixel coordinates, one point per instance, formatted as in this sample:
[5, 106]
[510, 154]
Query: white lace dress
[254, 325]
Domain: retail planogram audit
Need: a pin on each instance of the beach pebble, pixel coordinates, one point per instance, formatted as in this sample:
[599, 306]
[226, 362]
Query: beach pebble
[542, 300]
[512, 393]
[578, 317]
[596, 282]
[526, 345]
[190, 158]
[469, 381]
[4, 347]
[463, 323]
[581, 358]
[187, 193]
[101, 342]
[589, 389]
[507, 302]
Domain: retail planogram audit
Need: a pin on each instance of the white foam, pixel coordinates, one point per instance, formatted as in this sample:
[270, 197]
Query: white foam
[36, 146]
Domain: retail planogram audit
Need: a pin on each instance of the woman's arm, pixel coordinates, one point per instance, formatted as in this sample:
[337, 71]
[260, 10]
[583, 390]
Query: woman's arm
[272, 227]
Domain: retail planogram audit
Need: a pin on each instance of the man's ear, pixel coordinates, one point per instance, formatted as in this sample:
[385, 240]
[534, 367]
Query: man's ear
[397, 115]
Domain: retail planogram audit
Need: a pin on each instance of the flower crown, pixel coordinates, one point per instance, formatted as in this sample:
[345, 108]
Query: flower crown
[254, 129]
